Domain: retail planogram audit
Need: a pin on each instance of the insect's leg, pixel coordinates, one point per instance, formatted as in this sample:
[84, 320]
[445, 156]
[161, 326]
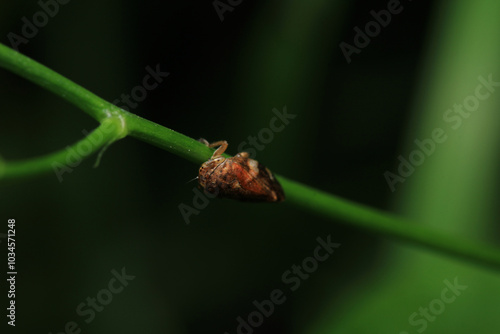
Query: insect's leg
[222, 148]
[204, 141]
[218, 152]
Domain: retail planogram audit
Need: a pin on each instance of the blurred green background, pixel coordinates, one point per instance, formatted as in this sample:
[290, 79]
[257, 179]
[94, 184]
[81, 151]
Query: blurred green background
[352, 122]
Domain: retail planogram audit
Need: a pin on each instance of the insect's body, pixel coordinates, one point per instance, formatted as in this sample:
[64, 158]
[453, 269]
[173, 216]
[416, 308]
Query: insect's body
[239, 178]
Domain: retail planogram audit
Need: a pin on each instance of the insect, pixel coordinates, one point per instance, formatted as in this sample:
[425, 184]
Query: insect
[239, 177]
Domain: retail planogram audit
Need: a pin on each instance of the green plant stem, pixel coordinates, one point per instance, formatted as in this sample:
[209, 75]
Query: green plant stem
[167, 139]
[110, 130]
[117, 123]
[387, 225]
[56, 83]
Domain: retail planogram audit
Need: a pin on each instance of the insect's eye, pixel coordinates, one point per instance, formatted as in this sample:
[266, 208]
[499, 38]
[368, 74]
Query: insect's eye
[219, 160]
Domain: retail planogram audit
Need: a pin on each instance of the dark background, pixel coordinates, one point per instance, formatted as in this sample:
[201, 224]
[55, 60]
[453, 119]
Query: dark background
[225, 79]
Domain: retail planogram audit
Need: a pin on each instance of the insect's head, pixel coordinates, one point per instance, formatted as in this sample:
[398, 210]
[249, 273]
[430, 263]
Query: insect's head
[212, 163]
[209, 166]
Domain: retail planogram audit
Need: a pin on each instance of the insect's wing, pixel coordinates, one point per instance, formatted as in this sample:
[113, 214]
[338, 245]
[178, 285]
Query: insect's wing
[257, 182]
